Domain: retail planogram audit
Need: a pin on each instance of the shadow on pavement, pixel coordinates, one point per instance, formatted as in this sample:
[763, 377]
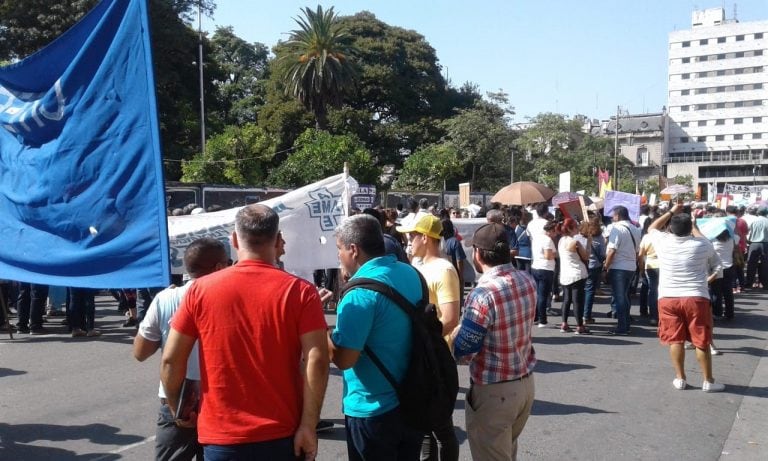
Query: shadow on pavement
[8, 372]
[595, 338]
[755, 351]
[542, 366]
[544, 408]
[747, 391]
[16, 441]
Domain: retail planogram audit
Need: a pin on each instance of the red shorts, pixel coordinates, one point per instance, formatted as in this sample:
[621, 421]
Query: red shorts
[685, 319]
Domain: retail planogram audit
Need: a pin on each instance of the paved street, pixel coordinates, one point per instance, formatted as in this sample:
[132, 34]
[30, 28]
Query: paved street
[598, 397]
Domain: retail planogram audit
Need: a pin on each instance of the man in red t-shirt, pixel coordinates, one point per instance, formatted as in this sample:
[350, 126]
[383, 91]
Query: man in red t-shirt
[263, 352]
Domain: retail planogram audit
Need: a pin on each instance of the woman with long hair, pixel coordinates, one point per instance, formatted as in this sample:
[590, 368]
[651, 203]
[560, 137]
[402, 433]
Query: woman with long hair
[593, 227]
[573, 273]
[543, 269]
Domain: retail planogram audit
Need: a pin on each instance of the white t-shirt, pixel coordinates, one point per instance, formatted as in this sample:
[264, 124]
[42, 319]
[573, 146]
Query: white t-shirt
[684, 264]
[156, 327]
[538, 245]
[725, 251]
[624, 239]
[571, 268]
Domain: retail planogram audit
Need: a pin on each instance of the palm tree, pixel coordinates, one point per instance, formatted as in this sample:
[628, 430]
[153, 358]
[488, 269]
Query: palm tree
[317, 67]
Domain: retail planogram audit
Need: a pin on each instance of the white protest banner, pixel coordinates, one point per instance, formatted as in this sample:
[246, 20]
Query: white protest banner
[565, 182]
[308, 218]
[630, 201]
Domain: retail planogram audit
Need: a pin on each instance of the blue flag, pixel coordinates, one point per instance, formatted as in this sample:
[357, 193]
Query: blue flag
[81, 186]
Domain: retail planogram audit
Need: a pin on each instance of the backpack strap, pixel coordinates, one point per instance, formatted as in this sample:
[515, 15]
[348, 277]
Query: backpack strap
[408, 307]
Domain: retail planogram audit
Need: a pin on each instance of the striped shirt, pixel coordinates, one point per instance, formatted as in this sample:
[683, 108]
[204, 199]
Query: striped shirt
[495, 332]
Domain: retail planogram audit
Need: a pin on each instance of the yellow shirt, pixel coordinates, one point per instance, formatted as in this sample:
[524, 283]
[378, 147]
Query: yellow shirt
[443, 284]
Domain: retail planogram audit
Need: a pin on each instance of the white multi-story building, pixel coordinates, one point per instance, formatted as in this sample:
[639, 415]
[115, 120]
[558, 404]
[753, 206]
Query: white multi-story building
[718, 101]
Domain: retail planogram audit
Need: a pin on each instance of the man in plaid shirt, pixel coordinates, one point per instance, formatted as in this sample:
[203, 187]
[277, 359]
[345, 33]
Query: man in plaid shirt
[494, 337]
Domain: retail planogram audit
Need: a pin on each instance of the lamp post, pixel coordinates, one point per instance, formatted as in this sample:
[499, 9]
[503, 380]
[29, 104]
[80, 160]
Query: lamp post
[200, 63]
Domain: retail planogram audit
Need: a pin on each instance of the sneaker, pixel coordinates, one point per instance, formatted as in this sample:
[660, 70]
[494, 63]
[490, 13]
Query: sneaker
[551, 311]
[589, 321]
[679, 384]
[323, 426]
[78, 333]
[712, 387]
[714, 351]
[582, 330]
[22, 329]
[564, 328]
[131, 322]
[38, 331]
[618, 333]
[93, 333]
[542, 325]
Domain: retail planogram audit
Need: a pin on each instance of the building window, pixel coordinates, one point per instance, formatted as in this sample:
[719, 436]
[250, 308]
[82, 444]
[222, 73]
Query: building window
[757, 53]
[701, 90]
[701, 75]
[686, 44]
[685, 92]
[758, 35]
[643, 157]
[703, 41]
[757, 120]
[757, 86]
[720, 121]
[686, 60]
[701, 139]
[738, 71]
[738, 104]
[684, 139]
[684, 124]
[702, 123]
[738, 121]
[720, 39]
[720, 56]
[739, 54]
[738, 137]
[720, 89]
[720, 73]
[720, 105]
[757, 70]
[685, 108]
[739, 38]
[686, 76]
[757, 135]
[719, 138]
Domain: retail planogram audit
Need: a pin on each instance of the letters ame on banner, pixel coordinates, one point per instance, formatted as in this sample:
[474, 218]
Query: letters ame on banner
[308, 218]
[631, 201]
[81, 183]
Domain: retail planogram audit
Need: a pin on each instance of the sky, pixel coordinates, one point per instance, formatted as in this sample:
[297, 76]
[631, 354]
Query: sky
[563, 56]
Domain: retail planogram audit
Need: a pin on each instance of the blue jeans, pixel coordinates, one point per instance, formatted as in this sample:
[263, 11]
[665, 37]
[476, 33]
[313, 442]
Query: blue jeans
[278, 450]
[621, 282]
[383, 437]
[757, 264]
[544, 280]
[590, 288]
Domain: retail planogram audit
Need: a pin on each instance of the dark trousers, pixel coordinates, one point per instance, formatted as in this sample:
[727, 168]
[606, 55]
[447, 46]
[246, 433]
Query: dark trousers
[277, 450]
[722, 294]
[574, 294]
[31, 305]
[146, 295]
[82, 308]
[441, 444]
[590, 289]
[544, 280]
[757, 263]
[384, 437]
[174, 443]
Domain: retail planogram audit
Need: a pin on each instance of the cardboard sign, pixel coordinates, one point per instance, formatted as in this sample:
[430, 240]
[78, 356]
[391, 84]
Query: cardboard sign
[464, 195]
[574, 209]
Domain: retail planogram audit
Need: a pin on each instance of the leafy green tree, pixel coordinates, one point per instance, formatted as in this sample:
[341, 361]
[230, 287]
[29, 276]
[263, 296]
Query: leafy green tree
[316, 63]
[319, 154]
[485, 143]
[430, 168]
[243, 65]
[238, 155]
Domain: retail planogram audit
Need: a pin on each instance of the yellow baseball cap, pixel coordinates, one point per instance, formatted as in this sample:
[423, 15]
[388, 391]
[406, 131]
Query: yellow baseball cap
[428, 225]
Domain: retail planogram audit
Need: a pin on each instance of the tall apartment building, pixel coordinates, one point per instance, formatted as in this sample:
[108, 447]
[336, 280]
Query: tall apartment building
[717, 129]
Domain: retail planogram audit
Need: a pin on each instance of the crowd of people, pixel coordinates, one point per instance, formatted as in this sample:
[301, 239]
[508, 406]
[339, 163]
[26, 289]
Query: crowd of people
[227, 325]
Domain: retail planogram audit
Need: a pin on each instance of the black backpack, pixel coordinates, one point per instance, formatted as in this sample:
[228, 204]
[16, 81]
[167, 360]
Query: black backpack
[429, 388]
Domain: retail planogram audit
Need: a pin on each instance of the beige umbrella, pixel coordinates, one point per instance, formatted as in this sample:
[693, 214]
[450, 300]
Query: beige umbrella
[523, 193]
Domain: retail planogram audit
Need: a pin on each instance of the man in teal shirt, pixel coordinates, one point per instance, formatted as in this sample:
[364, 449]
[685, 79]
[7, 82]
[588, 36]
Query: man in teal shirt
[375, 430]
